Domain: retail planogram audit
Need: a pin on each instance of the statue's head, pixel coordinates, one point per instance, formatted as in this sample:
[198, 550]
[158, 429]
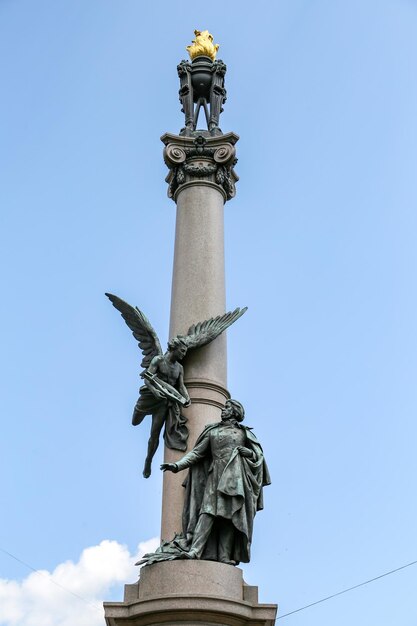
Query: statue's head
[178, 346]
[233, 409]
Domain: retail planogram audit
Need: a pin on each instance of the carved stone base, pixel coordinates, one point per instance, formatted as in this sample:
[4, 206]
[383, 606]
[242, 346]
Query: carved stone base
[190, 593]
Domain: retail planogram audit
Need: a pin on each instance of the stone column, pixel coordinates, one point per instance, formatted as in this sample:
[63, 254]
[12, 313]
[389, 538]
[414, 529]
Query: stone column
[201, 179]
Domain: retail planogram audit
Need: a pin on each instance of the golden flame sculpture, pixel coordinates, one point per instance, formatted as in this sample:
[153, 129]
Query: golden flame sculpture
[203, 45]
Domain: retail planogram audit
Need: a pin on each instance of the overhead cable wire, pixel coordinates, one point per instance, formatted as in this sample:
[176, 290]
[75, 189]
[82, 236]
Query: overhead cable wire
[51, 580]
[339, 593]
[302, 608]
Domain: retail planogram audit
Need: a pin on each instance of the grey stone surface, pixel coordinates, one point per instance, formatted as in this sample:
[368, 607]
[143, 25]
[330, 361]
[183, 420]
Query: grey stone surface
[198, 292]
[191, 577]
[190, 593]
[198, 283]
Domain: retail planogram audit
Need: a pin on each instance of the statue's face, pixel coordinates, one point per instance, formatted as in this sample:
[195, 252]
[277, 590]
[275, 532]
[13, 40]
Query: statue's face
[180, 352]
[227, 411]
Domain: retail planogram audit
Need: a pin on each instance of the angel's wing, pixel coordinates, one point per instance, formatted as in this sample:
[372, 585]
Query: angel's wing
[140, 327]
[202, 333]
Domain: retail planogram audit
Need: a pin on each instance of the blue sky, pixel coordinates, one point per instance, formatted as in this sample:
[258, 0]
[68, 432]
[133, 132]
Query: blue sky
[320, 245]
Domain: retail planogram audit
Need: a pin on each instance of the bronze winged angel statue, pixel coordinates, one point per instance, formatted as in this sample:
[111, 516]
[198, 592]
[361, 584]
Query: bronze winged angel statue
[164, 392]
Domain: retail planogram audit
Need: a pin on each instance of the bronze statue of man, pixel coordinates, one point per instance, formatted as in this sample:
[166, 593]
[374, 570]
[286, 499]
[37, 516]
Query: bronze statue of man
[223, 491]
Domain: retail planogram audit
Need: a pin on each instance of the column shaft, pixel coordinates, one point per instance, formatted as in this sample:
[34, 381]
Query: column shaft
[198, 293]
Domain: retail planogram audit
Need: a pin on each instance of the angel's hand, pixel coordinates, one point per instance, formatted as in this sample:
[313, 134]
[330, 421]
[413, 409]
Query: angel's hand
[188, 403]
[245, 452]
[170, 467]
[158, 394]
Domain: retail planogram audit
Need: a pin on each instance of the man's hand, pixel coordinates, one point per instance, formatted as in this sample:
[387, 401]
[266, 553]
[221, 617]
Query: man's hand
[170, 467]
[245, 452]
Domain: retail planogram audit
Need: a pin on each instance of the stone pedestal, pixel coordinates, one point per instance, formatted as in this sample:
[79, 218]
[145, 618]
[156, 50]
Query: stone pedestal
[200, 180]
[190, 593]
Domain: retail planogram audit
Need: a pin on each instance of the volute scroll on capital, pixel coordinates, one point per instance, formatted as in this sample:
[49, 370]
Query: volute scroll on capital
[201, 160]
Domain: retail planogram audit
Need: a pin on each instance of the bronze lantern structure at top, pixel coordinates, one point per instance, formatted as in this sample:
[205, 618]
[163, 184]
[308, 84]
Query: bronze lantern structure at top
[202, 85]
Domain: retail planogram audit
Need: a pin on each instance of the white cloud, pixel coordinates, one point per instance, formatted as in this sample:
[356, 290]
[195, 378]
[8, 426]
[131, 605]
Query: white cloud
[73, 593]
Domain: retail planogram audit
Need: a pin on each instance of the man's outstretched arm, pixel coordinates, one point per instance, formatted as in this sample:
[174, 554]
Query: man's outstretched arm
[194, 456]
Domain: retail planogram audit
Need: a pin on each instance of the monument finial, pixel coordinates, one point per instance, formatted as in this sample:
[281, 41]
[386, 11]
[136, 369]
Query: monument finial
[202, 45]
[202, 84]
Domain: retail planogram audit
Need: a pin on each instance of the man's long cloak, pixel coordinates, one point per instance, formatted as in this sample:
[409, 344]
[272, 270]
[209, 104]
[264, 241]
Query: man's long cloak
[230, 490]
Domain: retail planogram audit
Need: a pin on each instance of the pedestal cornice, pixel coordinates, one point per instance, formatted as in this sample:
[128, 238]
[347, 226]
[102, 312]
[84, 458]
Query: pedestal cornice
[185, 593]
[201, 160]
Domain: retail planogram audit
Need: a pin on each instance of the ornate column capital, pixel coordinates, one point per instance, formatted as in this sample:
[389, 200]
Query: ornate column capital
[201, 160]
